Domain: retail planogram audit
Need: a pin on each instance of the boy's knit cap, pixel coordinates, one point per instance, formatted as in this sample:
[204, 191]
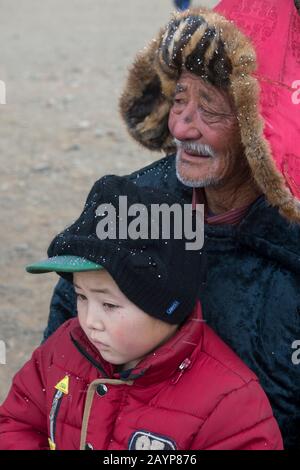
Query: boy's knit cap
[160, 276]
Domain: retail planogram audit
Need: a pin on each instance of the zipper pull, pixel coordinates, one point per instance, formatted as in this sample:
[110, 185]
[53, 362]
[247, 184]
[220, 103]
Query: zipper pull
[183, 366]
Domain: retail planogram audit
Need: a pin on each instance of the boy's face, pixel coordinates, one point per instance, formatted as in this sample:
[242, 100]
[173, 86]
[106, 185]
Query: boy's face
[122, 333]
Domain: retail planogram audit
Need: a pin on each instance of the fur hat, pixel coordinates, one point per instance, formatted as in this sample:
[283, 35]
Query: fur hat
[216, 49]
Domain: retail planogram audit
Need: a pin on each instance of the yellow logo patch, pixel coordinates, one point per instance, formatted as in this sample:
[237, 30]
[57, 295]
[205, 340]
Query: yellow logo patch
[63, 385]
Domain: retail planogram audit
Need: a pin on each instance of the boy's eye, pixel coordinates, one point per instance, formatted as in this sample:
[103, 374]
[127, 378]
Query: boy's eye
[109, 306]
[80, 296]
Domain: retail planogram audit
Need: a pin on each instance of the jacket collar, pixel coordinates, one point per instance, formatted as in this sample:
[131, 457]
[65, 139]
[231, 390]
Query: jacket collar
[168, 360]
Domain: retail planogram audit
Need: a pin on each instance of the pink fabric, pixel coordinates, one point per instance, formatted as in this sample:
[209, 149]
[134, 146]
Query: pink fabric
[274, 28]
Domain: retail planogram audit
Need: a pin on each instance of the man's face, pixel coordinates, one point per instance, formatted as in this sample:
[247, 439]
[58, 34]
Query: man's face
[122, 332]
[206, 133]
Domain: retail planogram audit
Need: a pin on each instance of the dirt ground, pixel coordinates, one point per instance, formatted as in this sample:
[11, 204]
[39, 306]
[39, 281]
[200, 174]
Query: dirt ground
[63, 64]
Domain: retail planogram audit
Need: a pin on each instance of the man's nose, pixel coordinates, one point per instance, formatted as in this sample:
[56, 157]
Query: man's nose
[187, 124]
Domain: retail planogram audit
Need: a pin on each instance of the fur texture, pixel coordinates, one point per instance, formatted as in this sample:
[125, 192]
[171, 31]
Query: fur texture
[205, 43]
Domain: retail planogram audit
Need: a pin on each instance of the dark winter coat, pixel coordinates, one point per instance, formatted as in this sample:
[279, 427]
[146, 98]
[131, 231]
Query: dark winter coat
[251, 296]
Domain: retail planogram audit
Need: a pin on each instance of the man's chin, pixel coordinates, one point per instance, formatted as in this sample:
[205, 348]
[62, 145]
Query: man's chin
[187, 173]
[189, 177]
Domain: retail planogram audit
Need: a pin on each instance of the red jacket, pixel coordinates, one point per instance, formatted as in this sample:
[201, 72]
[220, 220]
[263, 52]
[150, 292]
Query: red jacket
[191, 393]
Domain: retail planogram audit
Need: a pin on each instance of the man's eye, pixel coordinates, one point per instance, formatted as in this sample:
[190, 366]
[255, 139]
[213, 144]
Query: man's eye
[205, 111]
[178, 101]
[80, 296]
[210, 116]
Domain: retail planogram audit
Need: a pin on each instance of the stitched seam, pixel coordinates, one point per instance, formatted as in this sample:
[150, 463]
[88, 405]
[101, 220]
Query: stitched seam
[239, 432]
[245, 381]
[220, 402]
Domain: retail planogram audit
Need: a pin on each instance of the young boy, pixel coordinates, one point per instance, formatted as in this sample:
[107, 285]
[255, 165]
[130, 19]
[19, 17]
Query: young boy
[139, 368]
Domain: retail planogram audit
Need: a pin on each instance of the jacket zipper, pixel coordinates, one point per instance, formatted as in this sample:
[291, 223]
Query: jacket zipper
[53, 416]
[182, 368]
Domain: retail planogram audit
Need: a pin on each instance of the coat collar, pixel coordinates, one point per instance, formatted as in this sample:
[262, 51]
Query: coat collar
[168, 360]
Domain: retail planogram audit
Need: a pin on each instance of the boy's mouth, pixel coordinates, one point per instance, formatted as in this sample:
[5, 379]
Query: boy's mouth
[99, 344]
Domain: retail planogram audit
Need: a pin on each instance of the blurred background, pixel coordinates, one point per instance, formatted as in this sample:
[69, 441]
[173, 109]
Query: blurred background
[64, 65]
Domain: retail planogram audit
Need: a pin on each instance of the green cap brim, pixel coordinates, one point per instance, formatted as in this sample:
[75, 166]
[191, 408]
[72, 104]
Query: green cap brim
[63, 264]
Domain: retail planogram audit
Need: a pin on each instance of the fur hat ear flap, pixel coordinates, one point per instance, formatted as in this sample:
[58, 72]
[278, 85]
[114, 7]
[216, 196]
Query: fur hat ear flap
[143, 105]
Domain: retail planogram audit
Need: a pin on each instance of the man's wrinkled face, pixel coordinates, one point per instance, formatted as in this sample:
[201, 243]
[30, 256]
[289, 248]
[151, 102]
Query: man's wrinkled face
[206, 133]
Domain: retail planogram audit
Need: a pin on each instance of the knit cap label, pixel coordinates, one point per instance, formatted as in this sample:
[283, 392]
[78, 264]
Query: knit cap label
[172, 307]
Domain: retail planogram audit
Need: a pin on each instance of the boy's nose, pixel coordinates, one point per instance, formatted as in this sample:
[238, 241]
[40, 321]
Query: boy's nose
[94, 318]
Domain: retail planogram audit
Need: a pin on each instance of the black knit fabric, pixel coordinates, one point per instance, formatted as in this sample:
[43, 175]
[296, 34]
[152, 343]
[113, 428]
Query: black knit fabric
[159, 275]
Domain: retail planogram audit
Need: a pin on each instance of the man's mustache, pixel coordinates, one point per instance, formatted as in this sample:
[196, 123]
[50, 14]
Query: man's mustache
[196, 148]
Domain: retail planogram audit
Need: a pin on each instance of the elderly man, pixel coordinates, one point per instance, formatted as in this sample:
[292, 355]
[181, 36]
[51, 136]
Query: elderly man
[221, 105]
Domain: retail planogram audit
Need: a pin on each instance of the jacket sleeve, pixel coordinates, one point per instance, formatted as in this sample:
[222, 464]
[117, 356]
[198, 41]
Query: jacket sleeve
[23, 415]
[242, 420]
